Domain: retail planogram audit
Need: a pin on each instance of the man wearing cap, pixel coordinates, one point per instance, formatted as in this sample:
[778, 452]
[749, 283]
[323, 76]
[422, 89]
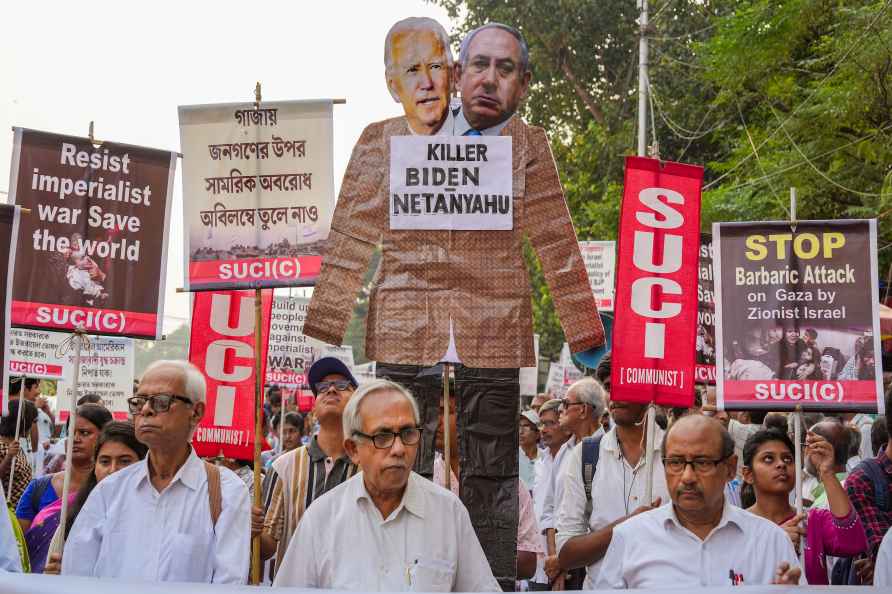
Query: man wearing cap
[528, 433]
[306, 473]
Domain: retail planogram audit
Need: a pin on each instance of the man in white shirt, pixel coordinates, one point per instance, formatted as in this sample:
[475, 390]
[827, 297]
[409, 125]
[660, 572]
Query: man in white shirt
[698, 539]
[617, 490]
[387, 528]
[171, 517]
[553, 438]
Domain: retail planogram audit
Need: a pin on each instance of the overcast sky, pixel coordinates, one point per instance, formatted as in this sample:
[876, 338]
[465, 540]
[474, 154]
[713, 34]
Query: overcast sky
[128, 65]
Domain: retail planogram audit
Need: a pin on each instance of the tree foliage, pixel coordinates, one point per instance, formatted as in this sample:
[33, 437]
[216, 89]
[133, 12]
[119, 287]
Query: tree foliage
[765, 94]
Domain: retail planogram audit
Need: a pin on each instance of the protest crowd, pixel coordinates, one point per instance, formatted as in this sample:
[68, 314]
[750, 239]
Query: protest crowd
[435, 474]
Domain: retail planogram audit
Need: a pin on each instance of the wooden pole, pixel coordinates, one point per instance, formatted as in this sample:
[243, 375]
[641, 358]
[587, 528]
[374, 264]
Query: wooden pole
[446, 440]
[78, 338]
[18, 427]
[258, 425]
[650, 430]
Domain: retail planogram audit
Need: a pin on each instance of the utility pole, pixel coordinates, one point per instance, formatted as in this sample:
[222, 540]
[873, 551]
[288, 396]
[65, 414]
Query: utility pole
[642, 79]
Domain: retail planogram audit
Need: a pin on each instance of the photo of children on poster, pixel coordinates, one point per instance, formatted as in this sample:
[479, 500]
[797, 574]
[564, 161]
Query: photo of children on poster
[92, 252]
[797, 315]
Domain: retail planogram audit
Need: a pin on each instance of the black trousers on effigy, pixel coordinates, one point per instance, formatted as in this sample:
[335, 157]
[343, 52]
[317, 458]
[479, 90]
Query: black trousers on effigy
[488, 403]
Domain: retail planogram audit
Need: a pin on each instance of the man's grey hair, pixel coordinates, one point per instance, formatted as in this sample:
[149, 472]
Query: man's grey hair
[352, 419]
[589, 391]
[415, 24]
[553, 404]
[464, 49]
[196, 387]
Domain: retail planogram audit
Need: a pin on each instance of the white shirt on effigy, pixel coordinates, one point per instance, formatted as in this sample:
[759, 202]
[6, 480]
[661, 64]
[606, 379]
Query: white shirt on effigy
[653, 550]
[617, 490]
[129, 530]
[427, 544]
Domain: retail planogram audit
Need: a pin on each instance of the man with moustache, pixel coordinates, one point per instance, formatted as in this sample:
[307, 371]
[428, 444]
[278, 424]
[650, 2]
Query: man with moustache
[170, 517]
[582, 536]
[698, 539]
[387, 529]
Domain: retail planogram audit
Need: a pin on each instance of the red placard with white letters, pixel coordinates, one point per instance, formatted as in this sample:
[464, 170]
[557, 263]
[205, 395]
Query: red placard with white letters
[222, 346]
[653, 356]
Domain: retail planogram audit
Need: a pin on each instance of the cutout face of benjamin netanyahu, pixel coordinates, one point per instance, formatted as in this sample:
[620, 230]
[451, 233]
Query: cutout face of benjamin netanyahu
[418, 65]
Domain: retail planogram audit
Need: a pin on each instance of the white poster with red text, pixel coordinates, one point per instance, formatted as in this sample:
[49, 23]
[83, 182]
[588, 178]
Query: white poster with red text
[656, 292]
[706, 314]
[222, 346]
[600, 264]
[258, 193]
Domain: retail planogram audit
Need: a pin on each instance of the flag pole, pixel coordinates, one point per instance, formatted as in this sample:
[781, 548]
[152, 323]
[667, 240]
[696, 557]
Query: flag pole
[18, 427]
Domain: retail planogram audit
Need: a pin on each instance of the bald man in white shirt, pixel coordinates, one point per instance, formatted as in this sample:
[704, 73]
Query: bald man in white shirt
[698, 539]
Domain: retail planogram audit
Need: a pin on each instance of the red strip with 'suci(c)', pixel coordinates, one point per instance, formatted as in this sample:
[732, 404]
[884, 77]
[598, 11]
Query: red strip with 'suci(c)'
[786, 394]
[244, 272]
[93, 320]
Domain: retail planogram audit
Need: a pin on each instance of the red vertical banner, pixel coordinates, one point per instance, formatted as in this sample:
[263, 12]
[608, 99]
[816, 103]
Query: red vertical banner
[222, 346]
[653, 356]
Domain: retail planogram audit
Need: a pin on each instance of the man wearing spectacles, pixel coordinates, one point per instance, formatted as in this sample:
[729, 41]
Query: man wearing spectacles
[302, 475]
[401, 531]
[615, 491]
[699, 539]
[170, 517]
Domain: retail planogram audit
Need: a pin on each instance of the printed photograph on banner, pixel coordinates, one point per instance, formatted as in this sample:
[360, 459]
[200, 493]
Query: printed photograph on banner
[798, 315]
[258, 192]
[9, 222]
[705, 369]
[106, 371]
[455, 183]
[93, 251]
[222, 346]
[656, 288]
[600, 264]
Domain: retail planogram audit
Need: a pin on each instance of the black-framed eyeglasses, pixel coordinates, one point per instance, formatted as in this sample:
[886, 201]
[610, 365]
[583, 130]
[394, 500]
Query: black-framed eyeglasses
[158, 402]
[702, 466]
[566, 404]
[339, 385]
[384, 439]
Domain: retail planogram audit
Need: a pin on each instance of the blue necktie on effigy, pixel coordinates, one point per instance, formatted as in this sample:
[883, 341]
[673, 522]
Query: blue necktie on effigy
[472, 132]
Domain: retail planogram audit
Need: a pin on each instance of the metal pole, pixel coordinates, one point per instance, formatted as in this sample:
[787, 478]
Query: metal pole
[18, 427]
[649, 454]
[446, 444]
[797, 433]
[642, 79]
[258, 425]
[72, 414]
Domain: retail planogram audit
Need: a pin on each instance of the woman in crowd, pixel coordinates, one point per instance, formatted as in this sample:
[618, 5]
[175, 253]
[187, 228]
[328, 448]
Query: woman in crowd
[40, 507]
[769, 468]
[116, 449]
[11, 450]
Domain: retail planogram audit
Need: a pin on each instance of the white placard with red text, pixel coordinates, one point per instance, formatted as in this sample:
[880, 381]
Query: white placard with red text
[600, 264]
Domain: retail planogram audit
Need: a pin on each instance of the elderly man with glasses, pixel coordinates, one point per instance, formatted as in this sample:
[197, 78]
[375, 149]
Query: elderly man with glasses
[303, 474]
[387, 528]
[699, 538]
[170, 517]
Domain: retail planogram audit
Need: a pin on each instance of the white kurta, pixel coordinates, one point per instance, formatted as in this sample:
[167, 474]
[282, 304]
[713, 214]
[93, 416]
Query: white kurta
[129, 530]
[427, 544]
